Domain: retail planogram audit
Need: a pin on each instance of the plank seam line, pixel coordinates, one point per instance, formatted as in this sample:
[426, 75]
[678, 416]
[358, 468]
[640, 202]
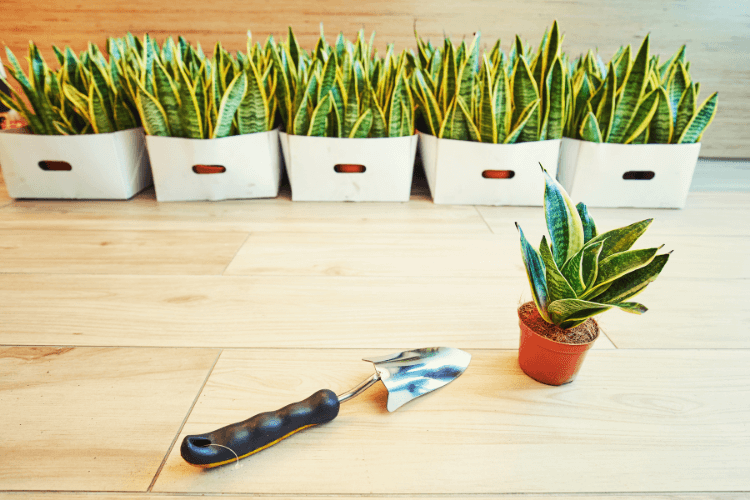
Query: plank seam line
[244, 242]
[479, 213]
[184, 421]
[511, 494]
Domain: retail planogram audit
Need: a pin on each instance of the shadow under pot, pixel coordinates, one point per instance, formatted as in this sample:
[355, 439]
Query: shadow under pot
[548, 353]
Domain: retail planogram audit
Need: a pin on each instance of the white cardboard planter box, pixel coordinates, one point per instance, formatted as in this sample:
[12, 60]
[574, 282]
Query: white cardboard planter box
[251, 161]
[311, 164]
[627, 175]
[100, 166]
[457, 170]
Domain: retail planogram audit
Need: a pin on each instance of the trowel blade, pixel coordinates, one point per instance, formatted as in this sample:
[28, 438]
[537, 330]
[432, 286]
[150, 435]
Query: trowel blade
[410, 374]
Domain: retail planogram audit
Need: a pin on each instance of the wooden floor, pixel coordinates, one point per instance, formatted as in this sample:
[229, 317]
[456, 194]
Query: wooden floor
[125, 326]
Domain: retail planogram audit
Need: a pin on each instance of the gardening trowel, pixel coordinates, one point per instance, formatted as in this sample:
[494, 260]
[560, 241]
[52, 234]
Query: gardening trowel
[406, 375]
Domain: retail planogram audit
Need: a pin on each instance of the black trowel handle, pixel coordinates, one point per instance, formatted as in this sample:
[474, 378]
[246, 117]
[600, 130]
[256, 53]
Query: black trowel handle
[259, 432]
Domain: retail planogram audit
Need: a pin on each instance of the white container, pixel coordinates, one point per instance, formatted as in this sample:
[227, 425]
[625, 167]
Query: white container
[311, 164]
[100, 166]
[627, 175]
[461, 172]
[252, 167]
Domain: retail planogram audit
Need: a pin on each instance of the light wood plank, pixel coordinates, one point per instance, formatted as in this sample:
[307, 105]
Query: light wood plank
[686, 313]
[287, 312]
[508, 496]
[311, 254]
[143, 212]
[715, 32]
[117, 252]
[673, 423]
[93, 419]
[706, 214]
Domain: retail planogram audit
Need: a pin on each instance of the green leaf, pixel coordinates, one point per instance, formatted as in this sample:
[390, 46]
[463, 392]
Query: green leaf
[568, 313]
[590, 262]
[351, 114]
[632, 307]
[605, 113]
[328, 80]
[378, 120]
[642, 118]
[283, 91]
[525, 92]
[488, 119]
[563, 222]
[535, 271]
[618, 265]
[229, 104]
[190, 111]
[557, 286]
[634, 282]
[702, 119]
[621, 239]
[632, 92]
[590, 129]
[556, 110]
[661, 128]
[99, 119]
[394, 116]
[124, 119]
[523, 119]
[252, 114]
[361, 127]
[471, 129]
[302, 116]
[168, 98]
[589, 227]
[686, 109]
[152, 114]
[502, 104]
[430, 106]
[318, 119]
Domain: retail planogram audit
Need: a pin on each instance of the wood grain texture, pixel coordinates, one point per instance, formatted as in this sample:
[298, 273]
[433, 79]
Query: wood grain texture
[672, 424]
[507, 496]
[285, 312]
[501, 496]
[686, 314]
[92, 419]
[715, 32]
[143, 212]
[707, 214]
[405, 255]
[117, 252]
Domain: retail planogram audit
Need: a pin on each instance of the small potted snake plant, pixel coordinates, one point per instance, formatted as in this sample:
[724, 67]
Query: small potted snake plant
[83, 138]
[210, 120]
[486, 121]
[348, 115]
[575, 275]
[634, 135]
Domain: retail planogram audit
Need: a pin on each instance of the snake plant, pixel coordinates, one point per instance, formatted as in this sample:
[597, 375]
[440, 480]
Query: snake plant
[87, 94]
[580, 272]
[638, 101]
[180, 92]
[496, 98]
[344, 90]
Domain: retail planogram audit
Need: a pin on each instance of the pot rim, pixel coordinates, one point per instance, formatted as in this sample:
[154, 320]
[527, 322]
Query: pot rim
[553, 345]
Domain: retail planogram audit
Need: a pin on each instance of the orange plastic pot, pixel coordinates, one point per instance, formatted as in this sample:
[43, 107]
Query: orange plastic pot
[547, 361]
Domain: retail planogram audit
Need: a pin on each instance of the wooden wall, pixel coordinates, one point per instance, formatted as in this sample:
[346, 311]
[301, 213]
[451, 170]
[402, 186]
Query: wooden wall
[717, 32]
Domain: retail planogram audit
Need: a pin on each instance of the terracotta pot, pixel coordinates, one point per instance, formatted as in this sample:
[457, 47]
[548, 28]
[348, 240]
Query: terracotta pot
[547, 361]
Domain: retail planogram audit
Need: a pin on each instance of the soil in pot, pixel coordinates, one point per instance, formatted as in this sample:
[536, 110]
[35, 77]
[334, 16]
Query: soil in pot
[548, 353]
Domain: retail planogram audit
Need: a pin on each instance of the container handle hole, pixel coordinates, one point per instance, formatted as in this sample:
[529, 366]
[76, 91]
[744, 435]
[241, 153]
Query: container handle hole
[498, 174]
[349, 168]
[638, 175]
[209, 169]
[56, 166]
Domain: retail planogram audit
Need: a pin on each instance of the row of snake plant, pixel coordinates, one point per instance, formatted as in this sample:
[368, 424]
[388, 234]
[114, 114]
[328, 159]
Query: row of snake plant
[88, 93]
[637, 101]
[521, 97]
[343, 90]
[349, 90]
[181, 92]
